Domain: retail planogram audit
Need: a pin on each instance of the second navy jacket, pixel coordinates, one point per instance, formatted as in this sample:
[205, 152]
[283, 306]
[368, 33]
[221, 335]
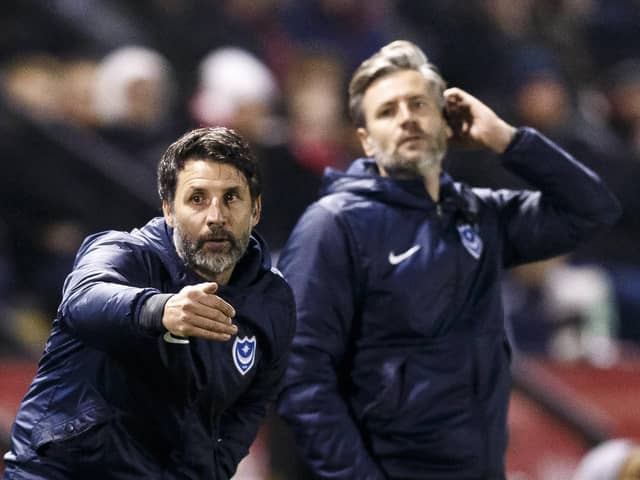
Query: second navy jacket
[400, 364]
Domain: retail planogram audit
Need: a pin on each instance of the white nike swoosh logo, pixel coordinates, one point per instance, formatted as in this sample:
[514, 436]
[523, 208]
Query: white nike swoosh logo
[171, 339]
[396, 259]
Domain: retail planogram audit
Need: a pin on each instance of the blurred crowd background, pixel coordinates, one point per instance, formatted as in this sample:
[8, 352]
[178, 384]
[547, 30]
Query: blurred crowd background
[93, 91]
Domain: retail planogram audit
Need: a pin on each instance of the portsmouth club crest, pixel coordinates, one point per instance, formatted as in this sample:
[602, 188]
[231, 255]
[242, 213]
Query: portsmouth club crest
[244, 353]
[470, 239]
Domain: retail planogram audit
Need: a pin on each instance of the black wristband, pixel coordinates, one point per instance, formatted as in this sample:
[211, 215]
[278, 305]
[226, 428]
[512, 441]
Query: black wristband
[150, 317]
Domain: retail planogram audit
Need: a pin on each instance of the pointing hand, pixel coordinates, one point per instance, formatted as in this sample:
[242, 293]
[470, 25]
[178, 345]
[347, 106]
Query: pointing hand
[196, 311]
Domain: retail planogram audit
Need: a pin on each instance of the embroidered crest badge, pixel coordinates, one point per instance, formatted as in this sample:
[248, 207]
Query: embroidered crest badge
[244, 353]
[471, 240]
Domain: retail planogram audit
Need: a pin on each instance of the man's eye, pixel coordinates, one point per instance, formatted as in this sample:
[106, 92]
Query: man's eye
[385, 112]
[196, 198]
[230, 197]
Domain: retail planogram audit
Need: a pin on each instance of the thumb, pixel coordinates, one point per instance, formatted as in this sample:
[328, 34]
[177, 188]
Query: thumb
[210, 287]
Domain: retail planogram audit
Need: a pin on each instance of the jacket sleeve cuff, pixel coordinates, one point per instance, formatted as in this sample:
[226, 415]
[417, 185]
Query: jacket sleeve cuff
[150, 316]
[518, 138]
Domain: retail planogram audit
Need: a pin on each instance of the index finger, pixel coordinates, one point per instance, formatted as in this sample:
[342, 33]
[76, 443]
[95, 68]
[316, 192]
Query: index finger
[214, 301]
[454, 93]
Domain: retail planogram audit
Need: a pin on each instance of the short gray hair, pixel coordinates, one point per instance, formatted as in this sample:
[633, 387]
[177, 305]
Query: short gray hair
[394, 57]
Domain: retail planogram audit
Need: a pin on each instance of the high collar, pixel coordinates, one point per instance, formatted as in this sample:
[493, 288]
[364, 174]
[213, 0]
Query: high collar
[363, 178]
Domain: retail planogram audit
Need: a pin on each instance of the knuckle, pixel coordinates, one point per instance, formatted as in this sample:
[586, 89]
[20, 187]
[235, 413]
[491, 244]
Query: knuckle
[182, 329]
[192, 294]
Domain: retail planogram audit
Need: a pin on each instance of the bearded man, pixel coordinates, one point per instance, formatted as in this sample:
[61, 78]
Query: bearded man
[170, 340]
[400, 365]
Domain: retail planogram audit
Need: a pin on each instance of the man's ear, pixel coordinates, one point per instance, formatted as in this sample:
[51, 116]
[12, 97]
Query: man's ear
[366, 142]
[257, 210]
[166, 210]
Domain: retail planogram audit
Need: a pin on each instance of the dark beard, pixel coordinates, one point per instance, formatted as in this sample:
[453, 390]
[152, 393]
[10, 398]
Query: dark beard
[210, 264]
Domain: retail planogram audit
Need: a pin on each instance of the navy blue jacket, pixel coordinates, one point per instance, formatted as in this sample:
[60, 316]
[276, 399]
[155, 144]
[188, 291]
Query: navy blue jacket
[115, 399]
[400, 364]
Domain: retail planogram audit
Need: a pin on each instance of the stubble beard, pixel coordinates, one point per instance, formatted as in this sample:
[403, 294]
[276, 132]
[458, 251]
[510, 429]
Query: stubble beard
[397, 165]
[210, 264]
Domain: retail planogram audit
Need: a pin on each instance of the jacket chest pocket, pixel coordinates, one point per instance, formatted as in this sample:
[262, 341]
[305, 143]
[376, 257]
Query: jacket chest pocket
[80, 434]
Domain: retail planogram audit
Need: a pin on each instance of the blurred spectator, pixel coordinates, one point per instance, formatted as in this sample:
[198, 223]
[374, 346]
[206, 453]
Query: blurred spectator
[237, 90]
[31, 85]
[511, 17]
[317, 122]
[581, 303]
[617, 459]
[133, 88]
[563, 311]
[134, 99]
[623, 93]
[541, 95]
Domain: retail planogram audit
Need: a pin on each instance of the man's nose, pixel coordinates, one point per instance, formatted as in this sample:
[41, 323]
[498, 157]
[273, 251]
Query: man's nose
[405, 113]
[217, 213]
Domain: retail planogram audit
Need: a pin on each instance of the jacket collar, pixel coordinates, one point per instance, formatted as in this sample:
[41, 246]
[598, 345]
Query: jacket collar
[363, 178]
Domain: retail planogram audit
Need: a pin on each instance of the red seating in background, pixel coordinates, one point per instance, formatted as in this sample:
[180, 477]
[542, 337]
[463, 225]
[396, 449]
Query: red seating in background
[543, 447]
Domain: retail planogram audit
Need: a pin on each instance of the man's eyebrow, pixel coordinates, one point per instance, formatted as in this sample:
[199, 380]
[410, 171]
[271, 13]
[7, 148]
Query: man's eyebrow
[233, 189]
[388, 103]
[193, 189]
[392, 101]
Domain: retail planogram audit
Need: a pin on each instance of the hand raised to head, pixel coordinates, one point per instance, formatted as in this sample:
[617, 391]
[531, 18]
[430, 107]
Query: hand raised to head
[475, 125]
